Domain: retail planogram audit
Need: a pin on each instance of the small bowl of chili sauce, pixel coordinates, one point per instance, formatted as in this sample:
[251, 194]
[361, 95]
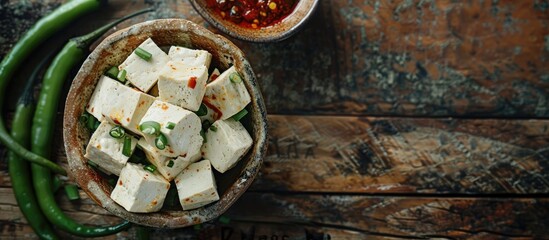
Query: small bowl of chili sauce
[256, 20]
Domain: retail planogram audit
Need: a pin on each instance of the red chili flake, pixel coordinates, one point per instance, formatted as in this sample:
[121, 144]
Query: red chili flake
[217, 113]
[214, 77]
[116, 121]
[192, 82]
[120, 182]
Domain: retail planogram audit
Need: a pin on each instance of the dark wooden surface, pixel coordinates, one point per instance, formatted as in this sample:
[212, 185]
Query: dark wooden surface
[388, 119]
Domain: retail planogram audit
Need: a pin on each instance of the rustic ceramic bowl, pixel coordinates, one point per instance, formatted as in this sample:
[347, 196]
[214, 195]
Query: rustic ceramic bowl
[111, 52]
[278, 32]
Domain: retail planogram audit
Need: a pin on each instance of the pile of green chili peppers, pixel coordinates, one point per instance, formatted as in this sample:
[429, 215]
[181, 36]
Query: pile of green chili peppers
[32, 185]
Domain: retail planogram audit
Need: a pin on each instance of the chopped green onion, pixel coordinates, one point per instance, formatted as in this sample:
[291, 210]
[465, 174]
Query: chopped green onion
[121, 76]
[142, 53]
[112, 182]
[240, 115]
[127, 148]
[204, 140]
[150, 127]
[84, 118]
[197, 227]
[235, 78]
[72, 192]
[202, 111]
[150, 168]
[117, 132]
[161, 141]
[206, 124]
[213, 128]
[112, 72]
[56, 184]
[93, 164]
[170, 163]
[90, 124]
[170, 125]
[96, 125]
[224, 220]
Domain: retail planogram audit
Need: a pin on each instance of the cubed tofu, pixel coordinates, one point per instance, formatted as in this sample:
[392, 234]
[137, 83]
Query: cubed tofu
[184, 139]
[95, 104]
[182, 85]
[190, 57]
[214, 75]
[162, 162]
[122, 105]
[106, 151]
[196, 185]
[227, 144]
[139, 190]
[226, 97]
[141, 73]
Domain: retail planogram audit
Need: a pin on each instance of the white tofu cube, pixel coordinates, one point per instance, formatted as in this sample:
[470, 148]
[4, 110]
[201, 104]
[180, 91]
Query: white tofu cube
[184, 139]
[162, 162]
[190, 57]
[106, 151]
[95, 104]
[226, 97]
[227, 144]
[182, 85]
[123, 105]
[196, 185]
[139, 190]
[142, 73]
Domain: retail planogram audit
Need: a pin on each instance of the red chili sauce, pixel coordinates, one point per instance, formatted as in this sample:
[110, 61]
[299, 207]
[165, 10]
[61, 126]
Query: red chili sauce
[253, 13]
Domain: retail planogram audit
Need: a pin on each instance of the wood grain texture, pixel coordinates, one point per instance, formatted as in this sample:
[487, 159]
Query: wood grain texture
[403, 155]
[312, 216]
[413, 58]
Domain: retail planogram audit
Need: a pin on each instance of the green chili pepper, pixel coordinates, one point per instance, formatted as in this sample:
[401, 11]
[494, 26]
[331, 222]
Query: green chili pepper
[26, 45]
[19, 169]
[42, 132]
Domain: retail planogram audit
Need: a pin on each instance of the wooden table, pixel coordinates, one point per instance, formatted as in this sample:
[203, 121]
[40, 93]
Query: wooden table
[412, 119]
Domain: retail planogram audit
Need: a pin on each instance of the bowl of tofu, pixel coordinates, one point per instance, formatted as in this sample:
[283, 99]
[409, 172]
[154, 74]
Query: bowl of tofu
[164, 124]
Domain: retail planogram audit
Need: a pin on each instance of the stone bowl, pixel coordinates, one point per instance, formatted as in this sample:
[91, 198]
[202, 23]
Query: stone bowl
[277, 32]
[111, 52]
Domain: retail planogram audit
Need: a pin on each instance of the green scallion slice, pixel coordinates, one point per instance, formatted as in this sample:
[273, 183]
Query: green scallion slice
[204, 140]
[142, 53]
[121, 76]
[90, 124]
[161, 142]
[112, 72]
[170, 125]
[150, 127]
[127, 147]
[117, 132]
[213, 128]
[240, 115]
[84, 117]
[150, 168]
[96, 125]
[202, 111]
[170, 163]
[235, 78]
[72, 192]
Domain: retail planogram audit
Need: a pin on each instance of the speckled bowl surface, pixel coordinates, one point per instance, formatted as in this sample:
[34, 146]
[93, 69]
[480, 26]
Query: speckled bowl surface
[277, 32]
[111, 52]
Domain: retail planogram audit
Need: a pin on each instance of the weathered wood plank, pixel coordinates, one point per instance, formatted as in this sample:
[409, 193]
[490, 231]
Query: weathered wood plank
[415, 58]
[403, 155]
[398, 155]
[339, 216]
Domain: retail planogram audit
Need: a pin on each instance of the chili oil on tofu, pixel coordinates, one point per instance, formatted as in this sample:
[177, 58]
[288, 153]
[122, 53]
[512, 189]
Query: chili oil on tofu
[164, 119]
